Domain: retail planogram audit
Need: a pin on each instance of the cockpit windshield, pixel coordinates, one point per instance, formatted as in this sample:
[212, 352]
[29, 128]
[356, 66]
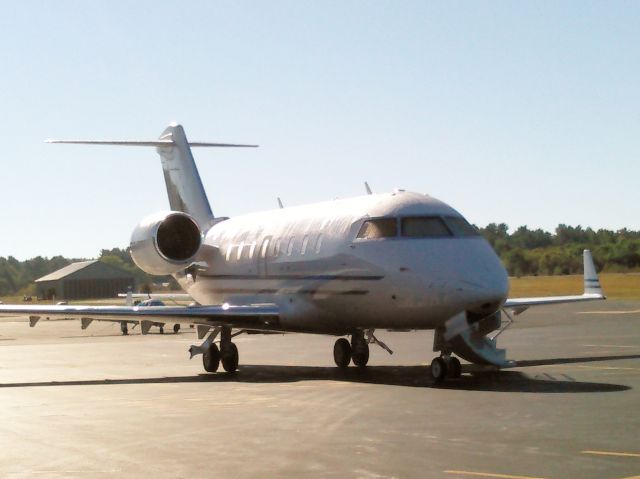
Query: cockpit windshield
[424, 227]
[416, 227]
[461, 227]
[378, 228]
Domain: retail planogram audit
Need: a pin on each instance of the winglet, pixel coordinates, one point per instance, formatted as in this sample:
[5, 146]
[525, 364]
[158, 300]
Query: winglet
[368, 188]
[591, 281]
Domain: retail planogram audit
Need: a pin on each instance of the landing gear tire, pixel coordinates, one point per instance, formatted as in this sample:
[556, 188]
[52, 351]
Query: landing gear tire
[161, 329]
[455, 368]
[124, 328]
[229, 356]
[342, 353]
[360, 354]
[438, 370]
[211, 359]
[176, 328]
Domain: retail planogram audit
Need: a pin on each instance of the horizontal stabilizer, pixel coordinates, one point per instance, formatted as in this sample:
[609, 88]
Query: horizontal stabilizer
[184, 186]
[157, 143]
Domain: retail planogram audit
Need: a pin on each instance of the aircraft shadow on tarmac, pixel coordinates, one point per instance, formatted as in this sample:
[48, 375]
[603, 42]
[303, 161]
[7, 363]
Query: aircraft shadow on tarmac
[473, 379]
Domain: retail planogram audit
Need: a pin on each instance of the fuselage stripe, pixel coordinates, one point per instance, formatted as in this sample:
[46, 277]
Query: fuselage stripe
[288, 292]
[327, 277]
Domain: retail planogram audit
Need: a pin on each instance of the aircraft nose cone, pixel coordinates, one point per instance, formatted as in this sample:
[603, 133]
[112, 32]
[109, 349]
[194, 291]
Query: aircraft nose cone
[482, 283]
[488, 289]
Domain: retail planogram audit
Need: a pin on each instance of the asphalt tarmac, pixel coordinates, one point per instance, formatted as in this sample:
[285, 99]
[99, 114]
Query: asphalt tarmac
[97, 404]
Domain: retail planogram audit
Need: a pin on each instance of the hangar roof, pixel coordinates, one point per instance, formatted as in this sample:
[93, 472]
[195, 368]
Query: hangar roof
[66, 271]
[101, 270]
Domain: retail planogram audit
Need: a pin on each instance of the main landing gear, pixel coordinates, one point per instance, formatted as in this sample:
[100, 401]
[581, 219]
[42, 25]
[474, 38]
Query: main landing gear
[356, 351]
[212, 356]
[445, 366]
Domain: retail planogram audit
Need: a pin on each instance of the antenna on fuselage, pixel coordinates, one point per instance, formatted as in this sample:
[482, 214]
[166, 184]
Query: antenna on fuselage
[368, 188]
[280, 203]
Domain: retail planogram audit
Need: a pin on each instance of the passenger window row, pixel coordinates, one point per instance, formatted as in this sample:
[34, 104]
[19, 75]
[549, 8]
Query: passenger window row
[416, 227]
[281, 247]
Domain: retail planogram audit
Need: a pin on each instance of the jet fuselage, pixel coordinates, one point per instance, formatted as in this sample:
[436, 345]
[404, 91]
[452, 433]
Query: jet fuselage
[395, 261]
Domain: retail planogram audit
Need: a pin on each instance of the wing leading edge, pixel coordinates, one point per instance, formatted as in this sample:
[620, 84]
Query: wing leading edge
[592, 291]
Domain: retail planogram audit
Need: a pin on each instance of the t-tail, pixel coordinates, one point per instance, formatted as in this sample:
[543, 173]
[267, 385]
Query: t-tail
[184, 186]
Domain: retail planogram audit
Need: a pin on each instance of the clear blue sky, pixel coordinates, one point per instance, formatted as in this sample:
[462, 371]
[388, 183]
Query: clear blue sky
[520, 112]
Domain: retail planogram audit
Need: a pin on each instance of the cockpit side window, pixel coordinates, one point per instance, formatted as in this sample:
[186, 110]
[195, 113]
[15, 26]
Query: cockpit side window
[378, 228]
[461, 227]
[424, 227]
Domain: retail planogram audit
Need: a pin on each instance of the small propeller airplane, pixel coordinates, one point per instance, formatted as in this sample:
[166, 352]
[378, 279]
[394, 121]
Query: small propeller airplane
[394, 261]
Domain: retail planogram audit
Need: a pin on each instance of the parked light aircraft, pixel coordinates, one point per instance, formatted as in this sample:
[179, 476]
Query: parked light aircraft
[391, 261]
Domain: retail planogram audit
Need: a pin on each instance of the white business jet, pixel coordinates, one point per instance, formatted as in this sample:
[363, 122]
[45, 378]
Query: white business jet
[395, 261]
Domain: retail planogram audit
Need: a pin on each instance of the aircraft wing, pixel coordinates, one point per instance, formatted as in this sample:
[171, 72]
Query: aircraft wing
[175, 296]
[592, 291]
[258, 316]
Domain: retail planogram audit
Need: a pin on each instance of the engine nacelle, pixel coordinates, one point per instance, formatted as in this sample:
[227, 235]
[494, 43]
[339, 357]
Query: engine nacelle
[165, 242]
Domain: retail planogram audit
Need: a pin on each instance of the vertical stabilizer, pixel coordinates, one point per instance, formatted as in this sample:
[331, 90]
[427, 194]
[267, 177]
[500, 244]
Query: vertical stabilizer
[181, 176]
[591, 281]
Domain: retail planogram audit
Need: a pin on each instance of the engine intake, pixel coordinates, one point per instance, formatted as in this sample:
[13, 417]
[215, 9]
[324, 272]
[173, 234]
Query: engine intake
[165, 242]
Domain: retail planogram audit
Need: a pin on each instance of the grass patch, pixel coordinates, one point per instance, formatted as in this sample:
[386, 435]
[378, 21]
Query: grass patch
[615, 285]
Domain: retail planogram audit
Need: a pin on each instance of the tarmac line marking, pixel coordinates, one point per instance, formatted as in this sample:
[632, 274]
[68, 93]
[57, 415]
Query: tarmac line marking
[489, 474]
[608, 368]
[608, 346]
[609, 453]
[609, 312]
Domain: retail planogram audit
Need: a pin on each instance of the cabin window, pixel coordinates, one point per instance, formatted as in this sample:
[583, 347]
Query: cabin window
[229, 252]
[305, 242]
[252, 249]
[318, 243]
[265, 247]
[240, 248]
[379, 228]
[276, 248]
[461, 227]
[424, 227]
[290, 247]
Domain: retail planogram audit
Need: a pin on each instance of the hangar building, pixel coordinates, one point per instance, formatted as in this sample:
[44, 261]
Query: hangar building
[83, 280]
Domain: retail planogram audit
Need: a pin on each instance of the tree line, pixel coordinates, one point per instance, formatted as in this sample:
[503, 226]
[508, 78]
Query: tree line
[524, 252]
[528, 252]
